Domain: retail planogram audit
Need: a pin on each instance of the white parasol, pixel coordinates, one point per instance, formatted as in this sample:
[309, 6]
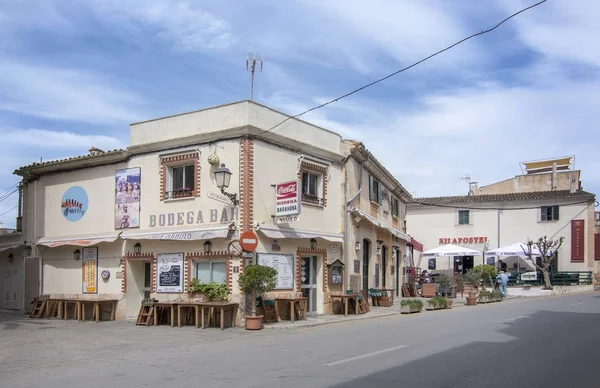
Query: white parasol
[450, 250]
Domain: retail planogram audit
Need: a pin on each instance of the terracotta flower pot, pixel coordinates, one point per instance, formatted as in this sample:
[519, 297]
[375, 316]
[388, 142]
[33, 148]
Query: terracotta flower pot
[471, 301]
[449, 302]
[253, 323]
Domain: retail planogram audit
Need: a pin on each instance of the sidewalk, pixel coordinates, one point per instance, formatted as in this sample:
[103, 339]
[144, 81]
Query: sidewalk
[376, 312]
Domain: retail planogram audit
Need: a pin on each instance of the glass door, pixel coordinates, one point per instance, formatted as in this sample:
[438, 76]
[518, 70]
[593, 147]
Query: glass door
[309, 282]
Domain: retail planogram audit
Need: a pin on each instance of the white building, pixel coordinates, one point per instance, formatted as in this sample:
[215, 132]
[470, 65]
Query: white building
[122, 213]
[529, 206]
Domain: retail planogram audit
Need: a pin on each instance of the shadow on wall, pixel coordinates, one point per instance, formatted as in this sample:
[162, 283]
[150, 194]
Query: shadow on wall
[567, 359]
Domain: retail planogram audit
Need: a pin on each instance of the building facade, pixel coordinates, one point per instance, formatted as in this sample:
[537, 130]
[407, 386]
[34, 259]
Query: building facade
[145, 221]
[487, 221]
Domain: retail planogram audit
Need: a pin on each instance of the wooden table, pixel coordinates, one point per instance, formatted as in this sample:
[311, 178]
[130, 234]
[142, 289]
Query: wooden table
[344, 299]
[169, 305]
[221, 306]
[96, 306]
[197, 306]
[292, 301]
[391, 290]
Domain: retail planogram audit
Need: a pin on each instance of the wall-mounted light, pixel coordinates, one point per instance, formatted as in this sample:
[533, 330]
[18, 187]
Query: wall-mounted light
[137, 248]
[207, 247]
[11, 258]
[28, 250]
[223, 178]
[77, 254]
[357, 246]
[313, 243]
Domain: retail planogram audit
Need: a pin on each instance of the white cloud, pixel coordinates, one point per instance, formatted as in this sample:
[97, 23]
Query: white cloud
[184, 24]
[20, 147]
[65, 94]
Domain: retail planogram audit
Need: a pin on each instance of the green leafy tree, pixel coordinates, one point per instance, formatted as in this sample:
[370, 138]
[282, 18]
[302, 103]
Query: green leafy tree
[548, 248]
[254, 281]
[487, 272]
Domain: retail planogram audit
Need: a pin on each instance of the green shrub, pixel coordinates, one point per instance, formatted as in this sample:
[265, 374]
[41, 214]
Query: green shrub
[413, 303]
[438, 301]
[213, 291]
[255, 280]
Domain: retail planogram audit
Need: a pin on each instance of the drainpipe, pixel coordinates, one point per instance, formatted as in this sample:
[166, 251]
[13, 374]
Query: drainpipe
[499, 228]
[346, 222]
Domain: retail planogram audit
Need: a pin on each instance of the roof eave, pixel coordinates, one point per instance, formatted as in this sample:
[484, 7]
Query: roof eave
[74, 163]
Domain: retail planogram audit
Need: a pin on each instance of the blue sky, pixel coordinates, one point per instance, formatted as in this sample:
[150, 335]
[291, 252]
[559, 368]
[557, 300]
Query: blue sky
[74, 74]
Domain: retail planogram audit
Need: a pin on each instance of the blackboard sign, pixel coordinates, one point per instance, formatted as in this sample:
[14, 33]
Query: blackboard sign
[431, 264]
[169, 271]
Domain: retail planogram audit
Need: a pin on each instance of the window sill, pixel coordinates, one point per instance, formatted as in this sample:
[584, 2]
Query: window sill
[375, 204]
[321, 206]
[179, 199]
[548, 222]
[463, 225]
[395, 218]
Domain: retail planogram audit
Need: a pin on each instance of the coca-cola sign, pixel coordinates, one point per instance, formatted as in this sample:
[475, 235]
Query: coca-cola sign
[287, 202]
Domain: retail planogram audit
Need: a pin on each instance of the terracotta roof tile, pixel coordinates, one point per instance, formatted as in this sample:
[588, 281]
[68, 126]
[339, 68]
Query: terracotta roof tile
[71, 159]
[510, 197]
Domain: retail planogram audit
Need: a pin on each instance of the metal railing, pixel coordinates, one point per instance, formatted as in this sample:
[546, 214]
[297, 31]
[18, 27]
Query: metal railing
[557, 278]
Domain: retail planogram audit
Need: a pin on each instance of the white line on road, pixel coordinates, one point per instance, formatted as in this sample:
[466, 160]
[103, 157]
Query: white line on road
[366, 355]
[576, 304]
[513, 319]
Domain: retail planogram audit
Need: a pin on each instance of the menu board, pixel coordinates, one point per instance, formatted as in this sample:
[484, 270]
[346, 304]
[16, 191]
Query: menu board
[169, 272]
[283, 264]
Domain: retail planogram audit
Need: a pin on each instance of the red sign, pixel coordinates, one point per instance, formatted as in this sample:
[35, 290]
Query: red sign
[288, 198]
[249, 241]
[577, 241]
[463, 240]
[597, 246]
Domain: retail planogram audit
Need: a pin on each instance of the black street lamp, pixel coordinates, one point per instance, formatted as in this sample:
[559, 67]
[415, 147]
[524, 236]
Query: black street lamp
[313, 243]
[223, 178]
[137, 248]
[207, 247]
[77, 254]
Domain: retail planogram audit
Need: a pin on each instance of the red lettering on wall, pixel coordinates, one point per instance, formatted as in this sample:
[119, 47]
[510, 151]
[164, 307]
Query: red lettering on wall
[577, 241]
[463, 240]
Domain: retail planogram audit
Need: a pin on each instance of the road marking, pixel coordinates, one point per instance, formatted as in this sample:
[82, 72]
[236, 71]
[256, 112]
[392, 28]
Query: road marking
[513, 319]
[576, 304]
[366, 355]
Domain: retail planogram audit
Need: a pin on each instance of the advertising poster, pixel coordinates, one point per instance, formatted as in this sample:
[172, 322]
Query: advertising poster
[169, 272]
[89, 270]
[283, 264]
[287, 198]
[127, 198]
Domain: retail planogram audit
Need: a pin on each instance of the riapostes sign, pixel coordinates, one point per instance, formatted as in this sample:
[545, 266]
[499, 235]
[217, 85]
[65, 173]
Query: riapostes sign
[211, 216]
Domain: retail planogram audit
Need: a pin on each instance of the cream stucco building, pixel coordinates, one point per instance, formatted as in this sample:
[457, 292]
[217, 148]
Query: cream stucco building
[545, 201]
[144, 221]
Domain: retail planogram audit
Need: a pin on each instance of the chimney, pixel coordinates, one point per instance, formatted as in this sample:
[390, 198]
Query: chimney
[472, 188]
[573, 185]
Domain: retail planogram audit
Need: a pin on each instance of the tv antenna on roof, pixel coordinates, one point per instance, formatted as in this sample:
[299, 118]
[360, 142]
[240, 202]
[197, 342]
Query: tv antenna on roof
[466, 178]
[251, 66]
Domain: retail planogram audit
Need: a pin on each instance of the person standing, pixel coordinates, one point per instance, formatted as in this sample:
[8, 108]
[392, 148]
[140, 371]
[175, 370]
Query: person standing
[502, 280]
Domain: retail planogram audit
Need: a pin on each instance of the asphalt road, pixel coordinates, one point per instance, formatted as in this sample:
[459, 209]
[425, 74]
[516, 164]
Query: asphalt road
[550, 342]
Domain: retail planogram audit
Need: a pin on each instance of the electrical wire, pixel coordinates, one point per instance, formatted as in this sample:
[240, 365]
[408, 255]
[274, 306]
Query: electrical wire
[8, 211]
[406, 68]
[5, 197]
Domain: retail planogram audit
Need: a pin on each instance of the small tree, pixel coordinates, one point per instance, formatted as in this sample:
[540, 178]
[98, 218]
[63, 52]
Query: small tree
[256, 280]
[487, 272]
[548, 248]
[472, 278]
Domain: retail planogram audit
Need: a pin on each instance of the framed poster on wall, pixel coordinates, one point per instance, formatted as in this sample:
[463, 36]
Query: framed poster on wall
[169, 272]
[283, 264]
[127, 198]
[89, 270]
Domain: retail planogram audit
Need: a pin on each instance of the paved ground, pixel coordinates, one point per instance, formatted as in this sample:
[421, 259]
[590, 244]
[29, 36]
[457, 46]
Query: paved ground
[551, 342]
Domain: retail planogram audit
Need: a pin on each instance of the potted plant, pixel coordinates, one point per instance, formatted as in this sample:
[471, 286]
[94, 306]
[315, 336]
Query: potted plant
[497, 296]
[436, 303]
[409, 306]
[255, 280]
[473, 279]
[484, 297]
[446, 283]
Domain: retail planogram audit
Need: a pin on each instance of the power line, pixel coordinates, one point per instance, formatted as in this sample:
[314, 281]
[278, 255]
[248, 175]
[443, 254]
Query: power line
[8, 211]
[5, 197]
[406, 68]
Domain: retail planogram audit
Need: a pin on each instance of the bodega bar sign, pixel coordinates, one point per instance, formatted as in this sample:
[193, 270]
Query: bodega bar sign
[463, 240]
[199, 217]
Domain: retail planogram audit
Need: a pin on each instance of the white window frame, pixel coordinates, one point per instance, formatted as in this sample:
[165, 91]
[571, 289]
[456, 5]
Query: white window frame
[318, 188]
[210, 262]
[170, 169]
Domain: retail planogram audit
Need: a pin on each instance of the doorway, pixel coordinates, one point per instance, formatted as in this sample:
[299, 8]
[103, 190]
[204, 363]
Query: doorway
[12, 288]
[309, 282]
[32, 280]
[139, 285]
[384, 252]
[365, 264]
[462, 264]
